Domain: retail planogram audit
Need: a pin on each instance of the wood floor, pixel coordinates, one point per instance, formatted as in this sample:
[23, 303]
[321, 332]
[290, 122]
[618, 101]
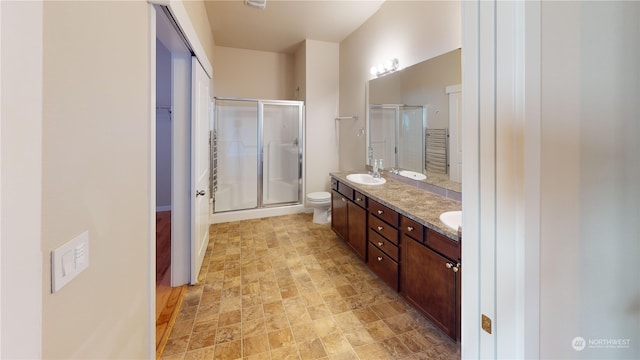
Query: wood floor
[163, 244]
[168, 299]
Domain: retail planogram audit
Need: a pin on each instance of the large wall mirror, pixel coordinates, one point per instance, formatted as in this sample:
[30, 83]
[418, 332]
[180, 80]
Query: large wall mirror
[413, 121]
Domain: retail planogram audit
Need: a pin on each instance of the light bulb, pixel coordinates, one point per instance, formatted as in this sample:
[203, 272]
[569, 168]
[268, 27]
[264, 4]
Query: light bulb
[374, 70]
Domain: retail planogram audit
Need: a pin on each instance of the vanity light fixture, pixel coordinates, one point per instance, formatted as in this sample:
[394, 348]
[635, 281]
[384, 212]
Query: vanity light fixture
[260, 4]
[385, 68]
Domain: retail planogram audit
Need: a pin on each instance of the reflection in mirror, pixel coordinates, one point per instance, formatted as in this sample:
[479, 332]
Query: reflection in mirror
[417, 137]
[395, 132]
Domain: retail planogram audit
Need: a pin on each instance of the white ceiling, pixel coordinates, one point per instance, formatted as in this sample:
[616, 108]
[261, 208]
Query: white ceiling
[283, 25]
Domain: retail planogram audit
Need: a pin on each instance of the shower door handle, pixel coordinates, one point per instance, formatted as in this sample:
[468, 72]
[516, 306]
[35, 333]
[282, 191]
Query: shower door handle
[200, 193]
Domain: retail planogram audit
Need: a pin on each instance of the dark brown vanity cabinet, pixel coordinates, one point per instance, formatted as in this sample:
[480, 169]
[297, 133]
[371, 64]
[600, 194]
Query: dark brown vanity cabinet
[349, 217]
[339, 214]
[384, 247]
[357, 235]
[431, 275]
[421, 264]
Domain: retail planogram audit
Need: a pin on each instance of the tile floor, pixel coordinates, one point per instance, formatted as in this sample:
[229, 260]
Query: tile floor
[285, 288]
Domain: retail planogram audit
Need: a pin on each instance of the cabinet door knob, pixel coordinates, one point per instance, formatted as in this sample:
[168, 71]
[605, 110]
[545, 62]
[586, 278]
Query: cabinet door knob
[343, 199]
[379, 258]
[455, 269]
[380, 212]
[448, 265]
[409, 228]
[380, 228]
[380, 243]
[358, 199]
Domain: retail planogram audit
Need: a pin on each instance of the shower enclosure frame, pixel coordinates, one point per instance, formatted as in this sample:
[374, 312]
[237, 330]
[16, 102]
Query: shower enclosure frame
[260, 163]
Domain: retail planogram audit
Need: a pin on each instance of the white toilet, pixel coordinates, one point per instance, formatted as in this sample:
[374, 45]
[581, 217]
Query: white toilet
[321, 203]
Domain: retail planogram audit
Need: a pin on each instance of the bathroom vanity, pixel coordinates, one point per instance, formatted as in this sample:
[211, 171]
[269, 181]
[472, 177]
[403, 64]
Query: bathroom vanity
[395, 229]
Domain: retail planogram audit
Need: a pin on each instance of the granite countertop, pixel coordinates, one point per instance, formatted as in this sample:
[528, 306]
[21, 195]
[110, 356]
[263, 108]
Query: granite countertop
[416, 204]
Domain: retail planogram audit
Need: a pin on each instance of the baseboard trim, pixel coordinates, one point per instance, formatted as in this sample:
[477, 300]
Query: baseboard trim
[163, 208]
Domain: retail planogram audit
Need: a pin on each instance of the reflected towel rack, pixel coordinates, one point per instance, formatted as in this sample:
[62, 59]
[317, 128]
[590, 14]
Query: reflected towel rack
[354, 117]
[437, 157]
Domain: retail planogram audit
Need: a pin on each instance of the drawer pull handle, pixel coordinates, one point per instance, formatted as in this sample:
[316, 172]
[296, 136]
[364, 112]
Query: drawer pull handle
[409, 228]
[380, 212]
[455, 268]
[379, 258]
[343, 199]
[380, 243]
[380, 228]
[358, 199]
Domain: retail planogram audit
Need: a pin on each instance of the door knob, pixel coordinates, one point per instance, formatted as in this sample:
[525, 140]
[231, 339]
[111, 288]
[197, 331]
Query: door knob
[200, 193]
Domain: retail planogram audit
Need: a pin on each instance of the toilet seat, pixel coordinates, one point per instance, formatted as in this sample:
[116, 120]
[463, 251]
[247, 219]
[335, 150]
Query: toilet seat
[319, 197]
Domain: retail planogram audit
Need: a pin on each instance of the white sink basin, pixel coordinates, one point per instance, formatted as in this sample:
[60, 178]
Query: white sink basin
[452, 219]
[412, 174]
[365, 179]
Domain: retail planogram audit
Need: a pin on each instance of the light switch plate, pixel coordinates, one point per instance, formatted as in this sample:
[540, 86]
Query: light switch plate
[69, 260]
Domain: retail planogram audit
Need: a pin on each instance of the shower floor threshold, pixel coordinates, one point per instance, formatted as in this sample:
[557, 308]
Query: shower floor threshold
[258, 213]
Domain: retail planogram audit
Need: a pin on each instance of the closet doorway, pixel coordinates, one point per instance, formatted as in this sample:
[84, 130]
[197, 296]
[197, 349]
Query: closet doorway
[173, 177]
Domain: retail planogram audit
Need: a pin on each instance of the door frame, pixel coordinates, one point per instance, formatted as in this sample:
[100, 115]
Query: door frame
[21, 283]
[179, 14]
[501, 178]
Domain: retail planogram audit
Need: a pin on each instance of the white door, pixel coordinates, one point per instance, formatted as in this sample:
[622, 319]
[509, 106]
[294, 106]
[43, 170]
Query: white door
[455, 135]
[200, 107]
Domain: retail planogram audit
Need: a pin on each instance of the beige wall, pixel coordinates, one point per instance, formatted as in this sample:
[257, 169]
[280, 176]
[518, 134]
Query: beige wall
[96, 176]
[253, 74]
[200, 21]
[589, 176]
[412, 31]
[322, 83]
[300, 73]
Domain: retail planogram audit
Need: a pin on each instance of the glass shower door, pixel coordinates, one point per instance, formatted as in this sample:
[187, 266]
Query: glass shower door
[411, 138]
[237, 136]
[281, 152]
[382, 134]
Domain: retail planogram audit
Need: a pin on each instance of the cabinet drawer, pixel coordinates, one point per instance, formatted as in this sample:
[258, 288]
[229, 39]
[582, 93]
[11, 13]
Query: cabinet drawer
[383, 266]
[412, 228]
[360, 199]
[443, 245]
[383, 244]
[383, 212]
[345, 190]
[383, 229]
